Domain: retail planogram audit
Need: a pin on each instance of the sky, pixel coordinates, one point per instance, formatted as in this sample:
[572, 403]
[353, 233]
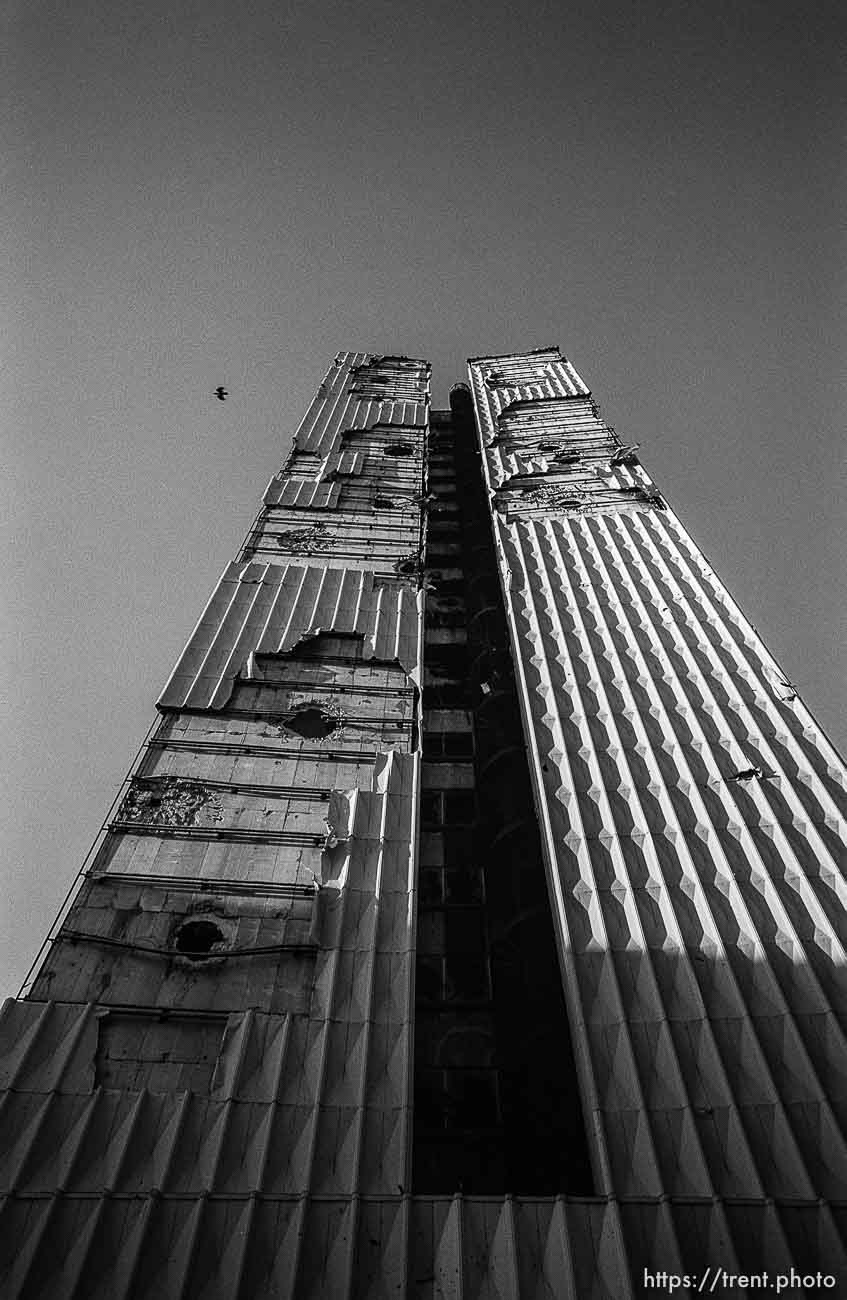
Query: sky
[200, 193]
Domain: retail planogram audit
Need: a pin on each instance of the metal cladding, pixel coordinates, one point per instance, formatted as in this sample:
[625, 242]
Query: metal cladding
[212, 1065]
[273, 608]
[209, 1081]
[693, 820]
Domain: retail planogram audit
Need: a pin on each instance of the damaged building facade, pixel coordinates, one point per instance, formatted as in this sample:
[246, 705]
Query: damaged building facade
[471, 923]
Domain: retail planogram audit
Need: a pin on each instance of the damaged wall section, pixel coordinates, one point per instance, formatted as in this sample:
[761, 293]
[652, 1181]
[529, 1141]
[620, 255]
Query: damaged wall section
[267, 609]
[262, 856]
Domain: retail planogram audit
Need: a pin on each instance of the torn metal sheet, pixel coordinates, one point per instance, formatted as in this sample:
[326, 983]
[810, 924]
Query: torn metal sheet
[267, 609]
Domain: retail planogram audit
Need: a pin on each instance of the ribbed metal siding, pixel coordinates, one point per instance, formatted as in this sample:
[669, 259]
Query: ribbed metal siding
[701, 916]
[268, 608]
[337, 407]
[152, 1192]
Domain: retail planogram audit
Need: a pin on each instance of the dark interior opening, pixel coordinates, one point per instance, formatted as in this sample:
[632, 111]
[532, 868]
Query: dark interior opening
[497, 1102]
[196, 939]
[311, 724]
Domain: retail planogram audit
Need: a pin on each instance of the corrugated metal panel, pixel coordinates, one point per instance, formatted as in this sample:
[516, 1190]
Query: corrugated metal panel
[692, 812]
[226, 1248]
[348, 462]
[370, 412]
[282, 491]
[268, 608]
[498, 382]
[336, 408]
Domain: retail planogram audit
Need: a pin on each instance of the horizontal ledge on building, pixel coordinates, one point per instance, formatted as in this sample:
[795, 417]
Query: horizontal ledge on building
[148, 1009]
[198, 958]
[202, 885]
[173, 831]
[233, 787]
[334, 515]
[441, 1198]
[276, 716]
[259, 751]
[271, 717]
[321, 556]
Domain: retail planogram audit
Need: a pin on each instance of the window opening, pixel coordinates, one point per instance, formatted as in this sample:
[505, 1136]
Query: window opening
[448, 807]
[458, 1098]
[431, 808]
[458, 847]
[448, 744]
[459, 806]
[463, 887]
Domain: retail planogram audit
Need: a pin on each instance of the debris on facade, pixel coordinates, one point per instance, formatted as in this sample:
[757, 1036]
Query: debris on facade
[626, 455]
[747, 774]
[297, 540]
[171, 801]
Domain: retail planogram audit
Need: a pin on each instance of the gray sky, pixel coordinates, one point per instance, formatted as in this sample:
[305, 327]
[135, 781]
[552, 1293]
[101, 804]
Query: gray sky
[203, 193]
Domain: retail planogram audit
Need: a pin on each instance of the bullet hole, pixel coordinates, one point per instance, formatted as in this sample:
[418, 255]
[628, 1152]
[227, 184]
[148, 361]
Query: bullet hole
[196, 940]
[312, 723]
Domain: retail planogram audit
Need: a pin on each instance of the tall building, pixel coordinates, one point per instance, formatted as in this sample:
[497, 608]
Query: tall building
[471, 922]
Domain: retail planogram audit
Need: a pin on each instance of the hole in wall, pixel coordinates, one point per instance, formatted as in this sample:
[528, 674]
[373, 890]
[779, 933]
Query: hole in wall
[197, 939]
[312, 723]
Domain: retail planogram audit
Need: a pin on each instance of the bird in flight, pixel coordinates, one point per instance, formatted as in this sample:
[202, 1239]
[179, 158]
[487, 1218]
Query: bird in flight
[221, 394]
